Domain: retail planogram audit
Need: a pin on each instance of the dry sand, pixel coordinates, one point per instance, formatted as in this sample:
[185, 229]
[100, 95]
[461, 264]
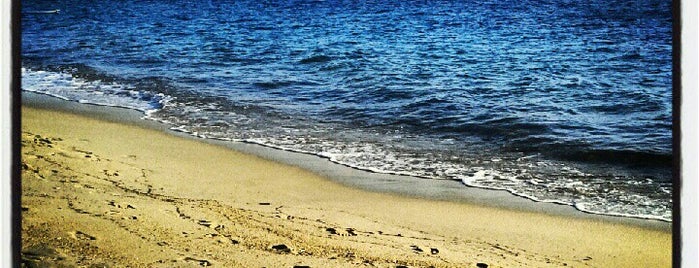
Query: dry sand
[98, 193]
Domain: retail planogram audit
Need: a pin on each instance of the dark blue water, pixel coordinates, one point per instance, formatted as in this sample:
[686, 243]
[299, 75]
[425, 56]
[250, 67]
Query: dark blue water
[558, 101]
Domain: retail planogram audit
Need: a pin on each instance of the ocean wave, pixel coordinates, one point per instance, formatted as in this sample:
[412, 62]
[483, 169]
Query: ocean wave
[81, 89]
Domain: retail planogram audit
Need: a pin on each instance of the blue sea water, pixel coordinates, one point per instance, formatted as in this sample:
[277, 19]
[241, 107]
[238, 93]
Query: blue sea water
[554, 100]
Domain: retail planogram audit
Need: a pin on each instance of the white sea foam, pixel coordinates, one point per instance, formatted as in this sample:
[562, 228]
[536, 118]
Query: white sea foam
[67, 87]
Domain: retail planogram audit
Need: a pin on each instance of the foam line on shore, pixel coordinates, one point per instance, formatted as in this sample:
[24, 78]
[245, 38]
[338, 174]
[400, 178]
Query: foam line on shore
[445, 190]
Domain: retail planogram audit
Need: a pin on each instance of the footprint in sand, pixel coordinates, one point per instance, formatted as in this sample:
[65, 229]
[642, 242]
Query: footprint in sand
[416, 249]
[200, 261]
[204, 222]
[82, 236]
[331, 230]
[349, 231]
[86, 154]
[43, 256]
[281, 248]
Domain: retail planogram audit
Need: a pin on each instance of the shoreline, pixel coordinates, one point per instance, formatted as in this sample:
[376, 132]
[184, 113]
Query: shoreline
[441, 190]
[108, 192]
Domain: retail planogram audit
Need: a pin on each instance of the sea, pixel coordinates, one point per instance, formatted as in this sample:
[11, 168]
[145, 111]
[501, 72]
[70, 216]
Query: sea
[559, 101]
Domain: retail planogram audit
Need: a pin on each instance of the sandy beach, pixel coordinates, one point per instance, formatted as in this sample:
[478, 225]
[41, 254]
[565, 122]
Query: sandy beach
[102, 193]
